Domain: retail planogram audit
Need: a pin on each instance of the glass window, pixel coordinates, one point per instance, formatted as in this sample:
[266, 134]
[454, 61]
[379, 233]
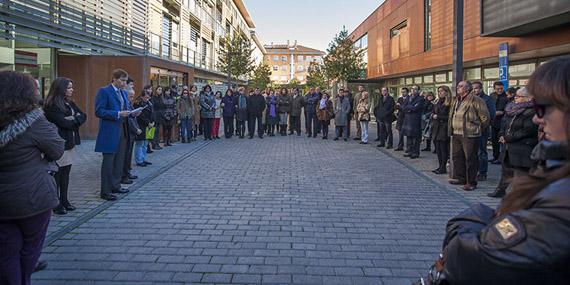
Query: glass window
[523, 82]
[275, 78]
[309, 58]
[275, 68]
[299, 58]
[283, 58]
[440, 77]
[275, 58]
[473, 73]
[300, 68]
[418, 80]
[491, 73]
[395, 31]
[284, 67]
[409, 81]
[283, 78]
[402, 81]
[521, 69]
[300, 78]
[428, 79]
[450, 76]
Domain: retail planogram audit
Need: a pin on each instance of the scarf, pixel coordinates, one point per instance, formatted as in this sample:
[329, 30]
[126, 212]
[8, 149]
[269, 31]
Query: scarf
[323, 104]
[518, 108]
[242, 102]
[272, 106]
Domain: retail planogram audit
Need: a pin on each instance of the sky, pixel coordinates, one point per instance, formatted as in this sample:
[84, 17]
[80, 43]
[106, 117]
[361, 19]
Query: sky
[313, 23]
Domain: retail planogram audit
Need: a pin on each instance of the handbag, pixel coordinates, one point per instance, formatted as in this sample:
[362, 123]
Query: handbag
[436, 275]
[149, 133]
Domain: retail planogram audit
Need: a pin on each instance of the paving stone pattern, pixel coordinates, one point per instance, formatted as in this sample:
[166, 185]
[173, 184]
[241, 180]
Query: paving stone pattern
[278, 210]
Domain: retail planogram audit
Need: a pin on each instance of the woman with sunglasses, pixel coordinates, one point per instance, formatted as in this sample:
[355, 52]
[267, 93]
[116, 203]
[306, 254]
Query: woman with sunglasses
[519, 135]
[525, 241]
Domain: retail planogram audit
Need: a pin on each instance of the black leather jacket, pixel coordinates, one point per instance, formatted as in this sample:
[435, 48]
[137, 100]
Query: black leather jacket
[530, 246]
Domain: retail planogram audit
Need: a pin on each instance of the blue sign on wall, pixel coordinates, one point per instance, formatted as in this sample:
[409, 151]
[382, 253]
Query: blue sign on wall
[504, 64]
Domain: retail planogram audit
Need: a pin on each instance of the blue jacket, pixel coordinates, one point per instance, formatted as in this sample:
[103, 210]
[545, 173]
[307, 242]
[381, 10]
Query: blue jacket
[413, 109]
[229, 106]
[107, 107]
[490, 106]
[312, 100]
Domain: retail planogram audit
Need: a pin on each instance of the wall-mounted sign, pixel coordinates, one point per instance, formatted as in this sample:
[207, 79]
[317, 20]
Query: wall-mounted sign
[504, 64]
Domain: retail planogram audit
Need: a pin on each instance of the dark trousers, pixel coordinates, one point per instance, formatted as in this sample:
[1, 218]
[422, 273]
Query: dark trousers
[385, 133]
[413, 145]
[495, 142]
[21, 242]
[201, 127]
[508, 172]
[112, 167]
[228, 126]
[348, 123]
[483, 156]
[207, 126]
[311, 124]
[325, 128]
[251, 125]
[167, 132]
[156, 140]
[442, 151]
[128, 159]
[62, 181]
[295, 124]
[465, 159]
[400, 139]
[240, 128]
[340, 130]
[358, 130]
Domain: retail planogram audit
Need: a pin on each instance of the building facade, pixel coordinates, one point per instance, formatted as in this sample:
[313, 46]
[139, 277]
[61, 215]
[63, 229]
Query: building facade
[291, 61]
[159, 42]
[411, 41]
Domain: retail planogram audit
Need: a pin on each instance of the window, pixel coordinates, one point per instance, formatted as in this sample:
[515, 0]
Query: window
[275, 78]
[166, 36]
[283, 58]
[309, 58]
[428, 79]
[440, 77]
[473, 74]
[395, 31]
[521, 69]
[418, 80]
[284, 67]
[427, 25]
[362, 42]
[491, 73]
[275, 58]
[275, 68]
[300, 68]
[300, 78]
[300, 58]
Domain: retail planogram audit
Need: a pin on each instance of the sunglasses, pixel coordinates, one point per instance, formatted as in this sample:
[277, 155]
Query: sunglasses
[540, 109]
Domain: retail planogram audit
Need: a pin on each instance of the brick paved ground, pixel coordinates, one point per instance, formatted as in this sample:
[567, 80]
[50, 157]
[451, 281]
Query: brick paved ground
[277, 210]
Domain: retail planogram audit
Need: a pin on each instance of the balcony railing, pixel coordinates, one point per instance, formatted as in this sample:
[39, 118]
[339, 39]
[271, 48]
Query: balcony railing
[180, 53]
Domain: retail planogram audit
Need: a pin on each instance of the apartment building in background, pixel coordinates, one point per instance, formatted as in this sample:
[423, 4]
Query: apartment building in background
[159, 42]
[411, 41]
[291, 61]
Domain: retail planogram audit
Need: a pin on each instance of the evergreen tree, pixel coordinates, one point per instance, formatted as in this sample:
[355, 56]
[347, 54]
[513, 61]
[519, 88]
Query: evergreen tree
[343, 62]
[261, 76]
[316, 76]
[239, 48]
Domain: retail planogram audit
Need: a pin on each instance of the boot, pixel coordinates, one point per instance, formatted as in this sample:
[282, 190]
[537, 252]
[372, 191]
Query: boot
[498, 193]
[59, 210]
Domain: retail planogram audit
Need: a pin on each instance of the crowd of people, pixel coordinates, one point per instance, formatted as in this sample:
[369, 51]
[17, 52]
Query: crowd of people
[529, 130]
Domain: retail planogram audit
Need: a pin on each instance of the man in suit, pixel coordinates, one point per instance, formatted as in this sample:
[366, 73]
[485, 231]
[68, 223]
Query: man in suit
[401, 115]
[132, 133]
[113, 109]
[384, 113]
[412, 127]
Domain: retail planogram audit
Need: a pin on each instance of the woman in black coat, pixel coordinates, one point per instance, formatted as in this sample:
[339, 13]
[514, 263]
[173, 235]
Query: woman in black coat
[520, 136]
[439, 122]
[61, 111]
[144, 120]
[158, 110]
[29, 147]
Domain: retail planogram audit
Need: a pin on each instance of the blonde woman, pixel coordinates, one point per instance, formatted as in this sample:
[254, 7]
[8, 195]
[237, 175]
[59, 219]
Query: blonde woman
[363, 116]
[439, 121]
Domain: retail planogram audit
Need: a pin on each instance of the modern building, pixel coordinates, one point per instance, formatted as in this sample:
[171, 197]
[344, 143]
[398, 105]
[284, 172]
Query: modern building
[159, 42]
[411, 41]
[291, 61]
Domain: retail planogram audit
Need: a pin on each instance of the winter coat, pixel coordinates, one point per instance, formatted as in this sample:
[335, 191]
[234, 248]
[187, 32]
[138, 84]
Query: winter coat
[524, 247]
[67, 129]
[29, 147]
[297, 104]
[521, 136]
[185, 107]
[355, 102]
[311, 102]
[284, 104]
[413, 109]
[208, 104]
[158, 109]
[363, 110]
[384, 110]
[400, 116]
[170, 114]
[469, 117]
[241, 111]
[501, 101]
[255, 105]
[327, 113]
[491, 108]
[197, 108]
[271, 102]
[144, 119]
[218, 110]
[230, 105]
[439, 125]
[341, 111]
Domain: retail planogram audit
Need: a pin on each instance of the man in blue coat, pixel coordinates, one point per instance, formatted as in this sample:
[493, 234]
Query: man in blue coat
[412, 127]
[112, 107]
[483, 155]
